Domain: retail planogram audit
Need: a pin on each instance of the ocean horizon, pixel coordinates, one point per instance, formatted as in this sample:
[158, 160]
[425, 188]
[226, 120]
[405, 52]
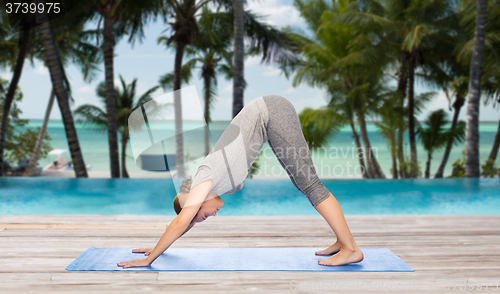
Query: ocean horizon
[337, 159]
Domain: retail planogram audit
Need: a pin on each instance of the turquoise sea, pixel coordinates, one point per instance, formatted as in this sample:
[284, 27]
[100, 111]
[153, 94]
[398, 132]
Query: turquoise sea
[336, 160]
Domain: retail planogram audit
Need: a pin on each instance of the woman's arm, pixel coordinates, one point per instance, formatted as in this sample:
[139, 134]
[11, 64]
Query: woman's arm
[188, 228]
[179, 226]
[147, 251]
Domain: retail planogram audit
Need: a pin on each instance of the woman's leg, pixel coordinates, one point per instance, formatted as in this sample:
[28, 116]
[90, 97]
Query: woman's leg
[287, 141]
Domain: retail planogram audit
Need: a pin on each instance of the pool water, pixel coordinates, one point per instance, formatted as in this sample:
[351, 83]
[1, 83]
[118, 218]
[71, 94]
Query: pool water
[258, 197]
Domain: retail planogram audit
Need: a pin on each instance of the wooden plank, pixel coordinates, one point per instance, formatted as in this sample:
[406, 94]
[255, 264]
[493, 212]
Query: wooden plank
[255, 232]
[140, 288]
[81, 227]
[104, 277]
[24, 278]
[439, 248]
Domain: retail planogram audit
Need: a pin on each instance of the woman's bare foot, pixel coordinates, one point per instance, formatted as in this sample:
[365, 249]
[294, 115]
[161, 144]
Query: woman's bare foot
[330, 250]
[344, 256]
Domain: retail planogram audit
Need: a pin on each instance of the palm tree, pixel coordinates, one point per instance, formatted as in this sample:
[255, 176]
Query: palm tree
[239, 56]
[342, 59]
[386, 15]
[18, 143]
[274, 45]
[459, 87]
[363, 107]
[23, 44]
[490, 75]
[394, 123]
[420, 28]
[185, 32]
[344, 109]
[7, 46]
[418, 37]
[72, 43]
[128, 16]
[61, 88]
[209, 52]
[107, 12]
[472, 131]
[435, 137]
[425, 27]
[459, 64]
[31, 168]
[392, 120]
[126, 103]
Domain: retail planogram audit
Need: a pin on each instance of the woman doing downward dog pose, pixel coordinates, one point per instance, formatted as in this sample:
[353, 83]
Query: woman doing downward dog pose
[271, 119]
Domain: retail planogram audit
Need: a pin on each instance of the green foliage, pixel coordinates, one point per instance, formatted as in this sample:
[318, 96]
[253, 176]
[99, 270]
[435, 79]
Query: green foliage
[126, 102]
[434, 135]
[458, 167]
[489, 169]
[392, 116]
[255, 166]
[407, 165]
[24, 145]
[20, 144]
[318, 125]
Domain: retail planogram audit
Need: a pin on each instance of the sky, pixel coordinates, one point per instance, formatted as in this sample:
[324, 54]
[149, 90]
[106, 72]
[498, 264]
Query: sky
[147, 61]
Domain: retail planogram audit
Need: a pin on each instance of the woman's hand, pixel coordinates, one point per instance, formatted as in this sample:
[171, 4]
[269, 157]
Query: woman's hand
[135, 263]
[146, 251]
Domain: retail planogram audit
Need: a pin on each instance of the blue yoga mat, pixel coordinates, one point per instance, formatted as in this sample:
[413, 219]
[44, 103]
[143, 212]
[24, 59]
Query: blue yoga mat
[236, 259]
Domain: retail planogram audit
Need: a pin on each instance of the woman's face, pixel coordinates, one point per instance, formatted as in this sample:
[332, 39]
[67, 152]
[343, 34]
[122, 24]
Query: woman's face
[208, 208]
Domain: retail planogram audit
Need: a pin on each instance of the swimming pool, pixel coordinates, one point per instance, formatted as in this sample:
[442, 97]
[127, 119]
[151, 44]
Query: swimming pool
[258, 197]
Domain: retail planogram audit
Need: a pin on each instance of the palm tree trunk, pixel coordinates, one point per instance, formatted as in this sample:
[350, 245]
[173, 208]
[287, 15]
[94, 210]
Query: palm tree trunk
[402, 84]
[411, 117]
[394, 159]
[9, 98]
[360, 152]
[56, 75]
[401, 157]
[110, 98]
[428, 165]
[238, 76]
[373, 163]
[457, 105]
[179, 140]
[31, 168]
[472, 128]
[206, 79]
[124, 155]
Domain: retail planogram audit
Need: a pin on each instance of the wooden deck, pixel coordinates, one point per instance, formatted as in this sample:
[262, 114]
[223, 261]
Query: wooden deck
[443, 250]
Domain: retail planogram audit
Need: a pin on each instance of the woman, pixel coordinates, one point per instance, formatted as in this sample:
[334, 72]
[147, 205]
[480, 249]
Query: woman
[271, 119]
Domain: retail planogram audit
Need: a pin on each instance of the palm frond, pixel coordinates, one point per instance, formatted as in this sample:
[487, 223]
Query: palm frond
[88, 113]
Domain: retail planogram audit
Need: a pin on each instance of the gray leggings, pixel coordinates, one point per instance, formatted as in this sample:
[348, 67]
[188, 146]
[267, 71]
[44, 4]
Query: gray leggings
[287, 141]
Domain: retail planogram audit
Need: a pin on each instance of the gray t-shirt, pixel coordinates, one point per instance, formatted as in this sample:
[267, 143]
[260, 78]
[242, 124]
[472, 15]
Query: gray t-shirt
[228, 163]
